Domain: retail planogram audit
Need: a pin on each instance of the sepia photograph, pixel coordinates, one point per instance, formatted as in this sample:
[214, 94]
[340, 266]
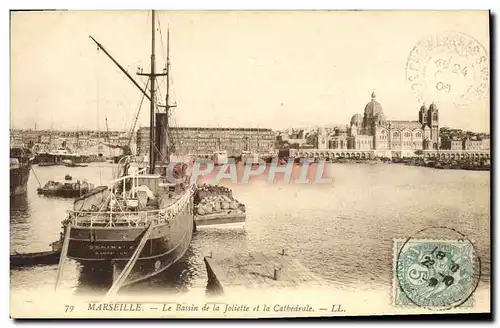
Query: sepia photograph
[249, 164]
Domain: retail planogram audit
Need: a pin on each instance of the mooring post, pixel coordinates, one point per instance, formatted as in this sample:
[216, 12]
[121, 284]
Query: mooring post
[283, 251]
[277, 273]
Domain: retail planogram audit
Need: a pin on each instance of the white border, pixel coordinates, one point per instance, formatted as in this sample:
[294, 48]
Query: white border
[190, 5]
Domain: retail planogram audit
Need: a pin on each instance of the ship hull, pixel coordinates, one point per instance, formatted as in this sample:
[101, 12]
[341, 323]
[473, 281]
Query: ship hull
[19, 179]
[112, 248]
[65, 193]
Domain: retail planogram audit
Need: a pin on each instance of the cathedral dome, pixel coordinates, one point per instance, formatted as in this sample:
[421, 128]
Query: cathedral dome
[356, 119]
[373, 107]
[380, 117]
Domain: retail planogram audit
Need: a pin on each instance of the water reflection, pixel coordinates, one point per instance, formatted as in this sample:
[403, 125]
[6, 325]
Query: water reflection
[19, 209]
[93, 279]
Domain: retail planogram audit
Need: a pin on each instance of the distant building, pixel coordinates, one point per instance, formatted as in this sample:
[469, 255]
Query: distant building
[472, 144]
[103, 150]
[372, 131]
[451, 143]
[201, 141]
[298, 138]
[485, 144]
[466, 143]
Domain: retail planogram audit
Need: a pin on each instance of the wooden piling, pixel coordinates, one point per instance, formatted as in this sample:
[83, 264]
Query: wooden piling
[277, 273]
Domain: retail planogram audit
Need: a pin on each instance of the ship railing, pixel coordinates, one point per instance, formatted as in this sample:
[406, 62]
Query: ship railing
[134, 177]
[130, 219]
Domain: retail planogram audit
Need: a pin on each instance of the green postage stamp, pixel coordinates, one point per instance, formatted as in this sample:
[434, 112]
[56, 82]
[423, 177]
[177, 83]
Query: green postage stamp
[434, 274]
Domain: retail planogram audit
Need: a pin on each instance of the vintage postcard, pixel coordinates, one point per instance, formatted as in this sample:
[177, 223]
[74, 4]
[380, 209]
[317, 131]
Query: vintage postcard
[249, 164]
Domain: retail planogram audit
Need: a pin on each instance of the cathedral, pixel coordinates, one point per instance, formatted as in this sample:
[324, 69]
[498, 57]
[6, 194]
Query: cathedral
[372, 131]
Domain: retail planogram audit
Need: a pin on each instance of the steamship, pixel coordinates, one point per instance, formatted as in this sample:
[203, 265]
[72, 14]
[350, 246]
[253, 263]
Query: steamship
[142, 221]
[21, 160]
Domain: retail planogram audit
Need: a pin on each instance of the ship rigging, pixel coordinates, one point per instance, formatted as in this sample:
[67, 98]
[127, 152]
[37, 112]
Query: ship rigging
[141, 223]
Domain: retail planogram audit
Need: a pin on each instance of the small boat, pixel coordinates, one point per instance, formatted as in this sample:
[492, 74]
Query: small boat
[66, 189]
[229, 218]
[68, 177]
[215, 205]
[37, 258]
[72, 163]
[47, 164]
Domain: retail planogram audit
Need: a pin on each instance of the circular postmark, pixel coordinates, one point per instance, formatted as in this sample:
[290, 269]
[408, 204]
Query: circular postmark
[437, 273]
[449, 67]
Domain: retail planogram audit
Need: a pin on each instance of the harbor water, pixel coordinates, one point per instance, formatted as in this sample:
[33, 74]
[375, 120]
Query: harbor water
[342, 231]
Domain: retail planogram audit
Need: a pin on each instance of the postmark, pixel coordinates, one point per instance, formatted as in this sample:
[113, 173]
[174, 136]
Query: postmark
[432, 273]
[449, 68]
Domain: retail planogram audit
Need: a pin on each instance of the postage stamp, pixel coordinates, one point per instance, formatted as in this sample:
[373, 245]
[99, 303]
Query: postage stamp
[434, 274]
[451, 67]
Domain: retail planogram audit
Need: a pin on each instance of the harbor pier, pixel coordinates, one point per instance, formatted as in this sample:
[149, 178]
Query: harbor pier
[258, 270]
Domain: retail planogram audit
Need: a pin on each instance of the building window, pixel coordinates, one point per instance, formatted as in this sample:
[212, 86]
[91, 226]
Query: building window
[407, 134]
[419, 135]
[395, 134]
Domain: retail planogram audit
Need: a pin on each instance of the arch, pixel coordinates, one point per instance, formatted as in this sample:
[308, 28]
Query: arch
[405, 133]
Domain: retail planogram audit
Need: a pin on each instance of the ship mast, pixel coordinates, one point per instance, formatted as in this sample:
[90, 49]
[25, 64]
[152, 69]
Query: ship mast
[152, 76]
[166, 96]
[167, 105]
[152, 107]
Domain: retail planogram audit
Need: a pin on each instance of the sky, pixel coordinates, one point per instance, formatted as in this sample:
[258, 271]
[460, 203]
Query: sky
[228, 69]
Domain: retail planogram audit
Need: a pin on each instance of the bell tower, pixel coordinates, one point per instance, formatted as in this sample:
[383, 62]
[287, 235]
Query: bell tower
[422, 114]
[433, 122]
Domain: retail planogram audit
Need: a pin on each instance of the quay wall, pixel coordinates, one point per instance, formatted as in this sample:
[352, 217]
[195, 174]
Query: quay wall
[368, 154]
